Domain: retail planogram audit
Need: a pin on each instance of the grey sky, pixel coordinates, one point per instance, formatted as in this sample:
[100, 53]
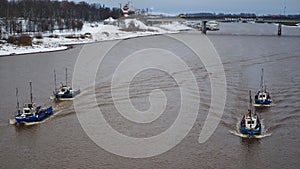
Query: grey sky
[225, 6]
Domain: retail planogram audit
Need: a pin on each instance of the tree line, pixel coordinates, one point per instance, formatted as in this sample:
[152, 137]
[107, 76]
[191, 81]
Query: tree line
[18, 16]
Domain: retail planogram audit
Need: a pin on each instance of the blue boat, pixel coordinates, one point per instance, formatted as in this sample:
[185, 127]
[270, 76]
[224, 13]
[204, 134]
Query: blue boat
[262, 97]
[64, 92]
[30, 112]
[250, 123]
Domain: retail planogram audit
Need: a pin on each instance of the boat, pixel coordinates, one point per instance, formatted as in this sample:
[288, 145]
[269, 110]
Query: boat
[30, 112]
[212, 25]
[65, 91]
[262, 97]
[250, 124]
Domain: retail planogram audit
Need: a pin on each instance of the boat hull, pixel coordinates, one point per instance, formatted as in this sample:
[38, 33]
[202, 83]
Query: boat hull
[267, 101]
[41, 114]
[251, 132]
[67, 96]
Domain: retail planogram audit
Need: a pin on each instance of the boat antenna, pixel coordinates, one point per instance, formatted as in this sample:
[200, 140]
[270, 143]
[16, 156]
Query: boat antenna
[250, 108]
[18, 103]
[55, 81]
[262, 80]
[250, 102]
[66, 76]
[31, 97]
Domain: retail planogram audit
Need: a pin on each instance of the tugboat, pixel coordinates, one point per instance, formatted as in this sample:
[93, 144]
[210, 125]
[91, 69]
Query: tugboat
[250, 123]
[262, 97]
[31, 112]
[64, 92]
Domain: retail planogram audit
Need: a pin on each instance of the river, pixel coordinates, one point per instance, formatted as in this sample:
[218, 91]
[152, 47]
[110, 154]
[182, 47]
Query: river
[61, 142]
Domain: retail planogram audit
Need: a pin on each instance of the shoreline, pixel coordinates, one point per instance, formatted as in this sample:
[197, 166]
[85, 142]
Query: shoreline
[70, 45]
[67, 47]
[91, 34]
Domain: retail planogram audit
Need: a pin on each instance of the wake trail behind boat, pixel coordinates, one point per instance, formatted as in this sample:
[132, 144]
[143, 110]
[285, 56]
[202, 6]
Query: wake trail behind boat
[263, 105]
[14, 122]
[234, 132]
[262, 135]
[61, 99]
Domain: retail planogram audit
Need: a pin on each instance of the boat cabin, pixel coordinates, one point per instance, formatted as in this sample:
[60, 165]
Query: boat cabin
[250, 122]
[262, 96]
[64, 90]
[28, 109]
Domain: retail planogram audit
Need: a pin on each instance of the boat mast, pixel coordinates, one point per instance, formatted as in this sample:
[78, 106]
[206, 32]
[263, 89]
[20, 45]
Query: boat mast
[250, 108]
[31, 97]
[250, 101]
[18, 103]
[262, 83]
[66, 76]
[55, 81]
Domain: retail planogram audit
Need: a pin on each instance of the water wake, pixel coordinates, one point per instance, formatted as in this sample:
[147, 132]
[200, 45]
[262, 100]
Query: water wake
[264, 132]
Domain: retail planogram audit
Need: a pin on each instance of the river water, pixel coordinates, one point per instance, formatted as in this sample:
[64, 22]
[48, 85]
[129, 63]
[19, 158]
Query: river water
[244, 49]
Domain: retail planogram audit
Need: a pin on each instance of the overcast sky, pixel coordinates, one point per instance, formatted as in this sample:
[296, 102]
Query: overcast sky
[217, 6]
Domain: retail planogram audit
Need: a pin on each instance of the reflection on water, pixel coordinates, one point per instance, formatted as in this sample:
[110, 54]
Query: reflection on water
[251, 152]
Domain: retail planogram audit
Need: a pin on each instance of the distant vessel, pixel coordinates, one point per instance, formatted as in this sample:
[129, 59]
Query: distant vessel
[64, 92]
[250, 123]
[262, 97]
[212, 25]
[30, 112]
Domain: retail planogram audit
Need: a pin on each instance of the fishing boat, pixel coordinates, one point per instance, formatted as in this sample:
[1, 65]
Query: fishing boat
[262, 97]
[250, 124]
[30, 112]
[65, 91]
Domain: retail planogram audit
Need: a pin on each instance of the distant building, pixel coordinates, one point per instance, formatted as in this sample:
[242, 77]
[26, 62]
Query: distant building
[127, 8]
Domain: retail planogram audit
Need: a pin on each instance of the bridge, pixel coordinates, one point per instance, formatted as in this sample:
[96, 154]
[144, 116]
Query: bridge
[263, 19]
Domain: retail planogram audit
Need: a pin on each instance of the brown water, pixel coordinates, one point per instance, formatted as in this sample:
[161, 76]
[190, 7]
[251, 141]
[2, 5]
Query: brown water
[61, 142]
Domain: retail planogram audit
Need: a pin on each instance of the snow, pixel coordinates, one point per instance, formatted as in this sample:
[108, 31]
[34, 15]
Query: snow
[136, 22]
[93, 32]
[110, 19]
[7, 49]
[176, 26]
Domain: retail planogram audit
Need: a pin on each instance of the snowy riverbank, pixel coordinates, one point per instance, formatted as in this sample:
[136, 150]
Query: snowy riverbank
[58, 40]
